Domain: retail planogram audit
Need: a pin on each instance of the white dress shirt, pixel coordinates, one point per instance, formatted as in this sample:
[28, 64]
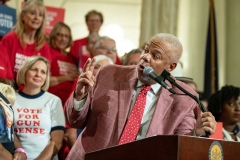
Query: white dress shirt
[228, 137]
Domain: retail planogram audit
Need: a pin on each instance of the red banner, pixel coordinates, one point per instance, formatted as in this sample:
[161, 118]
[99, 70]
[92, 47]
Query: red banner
[54, 15]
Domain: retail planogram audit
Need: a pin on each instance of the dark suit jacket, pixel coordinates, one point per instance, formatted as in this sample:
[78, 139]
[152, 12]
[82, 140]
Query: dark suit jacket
[106, 111]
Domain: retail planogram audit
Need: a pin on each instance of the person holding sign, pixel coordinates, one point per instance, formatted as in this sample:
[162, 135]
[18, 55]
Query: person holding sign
[39, 119]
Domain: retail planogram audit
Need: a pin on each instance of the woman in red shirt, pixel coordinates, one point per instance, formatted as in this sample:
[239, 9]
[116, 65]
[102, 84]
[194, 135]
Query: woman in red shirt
[63, 73]
[27, 37]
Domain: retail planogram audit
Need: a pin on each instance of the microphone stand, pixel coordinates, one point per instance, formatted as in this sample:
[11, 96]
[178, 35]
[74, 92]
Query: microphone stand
[171, 80]
[166, 75]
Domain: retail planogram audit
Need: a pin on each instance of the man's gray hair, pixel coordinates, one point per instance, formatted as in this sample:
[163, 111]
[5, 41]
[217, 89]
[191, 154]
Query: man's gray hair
[176, 46]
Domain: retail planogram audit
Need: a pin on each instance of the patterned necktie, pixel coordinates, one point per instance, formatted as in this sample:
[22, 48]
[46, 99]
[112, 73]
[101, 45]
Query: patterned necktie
[131, 129]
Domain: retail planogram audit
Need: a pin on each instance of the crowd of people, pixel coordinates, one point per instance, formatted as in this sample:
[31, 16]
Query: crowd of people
[71, 102]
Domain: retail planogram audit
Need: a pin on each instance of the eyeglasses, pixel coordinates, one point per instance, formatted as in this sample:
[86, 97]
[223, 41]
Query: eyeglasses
[113, 49]
[94, 20]
[62, 35]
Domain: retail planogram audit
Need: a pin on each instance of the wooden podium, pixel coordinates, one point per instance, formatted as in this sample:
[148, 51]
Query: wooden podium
[169, 147]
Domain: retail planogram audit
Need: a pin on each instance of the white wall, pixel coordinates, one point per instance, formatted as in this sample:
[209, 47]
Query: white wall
[192, 32]
[233, 42]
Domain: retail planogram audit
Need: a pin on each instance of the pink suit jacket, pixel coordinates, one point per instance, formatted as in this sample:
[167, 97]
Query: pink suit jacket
[106, 110]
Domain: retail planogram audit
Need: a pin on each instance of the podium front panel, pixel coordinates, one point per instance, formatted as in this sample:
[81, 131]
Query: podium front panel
[150, 148]
[168, 147]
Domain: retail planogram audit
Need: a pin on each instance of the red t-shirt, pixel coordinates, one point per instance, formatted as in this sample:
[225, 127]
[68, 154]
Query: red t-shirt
[18, 54]
[79, 48]
[5, 66]
[62, 65]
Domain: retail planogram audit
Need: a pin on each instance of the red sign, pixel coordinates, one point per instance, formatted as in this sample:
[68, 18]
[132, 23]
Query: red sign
[54, 15]
[218, 134]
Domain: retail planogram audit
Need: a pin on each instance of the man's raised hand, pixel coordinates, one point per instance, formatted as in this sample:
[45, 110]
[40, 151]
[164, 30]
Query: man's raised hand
[86, 80]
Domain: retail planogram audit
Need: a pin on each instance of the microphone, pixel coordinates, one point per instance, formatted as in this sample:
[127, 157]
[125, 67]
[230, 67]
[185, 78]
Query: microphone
[148, 71]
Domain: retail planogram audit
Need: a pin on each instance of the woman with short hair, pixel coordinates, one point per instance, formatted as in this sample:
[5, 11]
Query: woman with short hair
[39, 120]
[225, 107]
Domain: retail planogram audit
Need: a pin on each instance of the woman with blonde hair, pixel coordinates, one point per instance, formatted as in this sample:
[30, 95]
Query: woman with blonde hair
[39, 120]
[27, 37]
[8, 140]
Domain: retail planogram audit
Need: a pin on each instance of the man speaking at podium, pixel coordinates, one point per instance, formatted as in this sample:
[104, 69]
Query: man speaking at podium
[122, 104]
